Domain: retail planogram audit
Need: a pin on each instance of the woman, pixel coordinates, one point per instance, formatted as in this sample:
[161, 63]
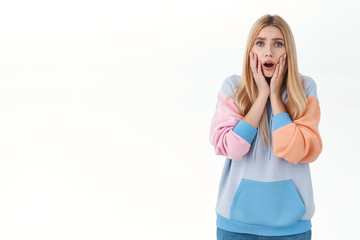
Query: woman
[266, 189]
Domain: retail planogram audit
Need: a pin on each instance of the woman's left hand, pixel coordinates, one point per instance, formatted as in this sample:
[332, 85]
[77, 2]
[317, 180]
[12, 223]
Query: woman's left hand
[278, 77]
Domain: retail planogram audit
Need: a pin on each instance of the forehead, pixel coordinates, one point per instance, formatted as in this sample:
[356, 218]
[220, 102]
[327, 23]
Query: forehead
[270, 32]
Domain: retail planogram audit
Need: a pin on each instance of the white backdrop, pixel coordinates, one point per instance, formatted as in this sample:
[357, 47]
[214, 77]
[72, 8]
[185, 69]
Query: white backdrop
[105, 108]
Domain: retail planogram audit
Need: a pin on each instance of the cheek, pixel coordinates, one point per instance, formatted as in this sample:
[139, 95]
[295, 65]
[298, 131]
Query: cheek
[280, 54]
[256, 51]
[283, 53]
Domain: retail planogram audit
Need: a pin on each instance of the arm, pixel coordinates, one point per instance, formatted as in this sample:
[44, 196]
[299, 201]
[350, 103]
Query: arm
[277, 104]
[230, 133]
[254, 115]
[298, 141]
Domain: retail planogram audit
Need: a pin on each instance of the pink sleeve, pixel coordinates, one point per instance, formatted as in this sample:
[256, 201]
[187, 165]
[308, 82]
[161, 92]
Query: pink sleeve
[230, 135]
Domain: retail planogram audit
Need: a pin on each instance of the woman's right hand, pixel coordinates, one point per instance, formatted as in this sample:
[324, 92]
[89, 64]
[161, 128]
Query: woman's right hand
[263, 86]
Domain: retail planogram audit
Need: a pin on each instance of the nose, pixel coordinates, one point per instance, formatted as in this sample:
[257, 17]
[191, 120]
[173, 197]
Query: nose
[268, 52]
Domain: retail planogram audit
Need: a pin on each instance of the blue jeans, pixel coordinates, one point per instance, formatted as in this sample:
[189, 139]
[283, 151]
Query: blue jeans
[225, 235]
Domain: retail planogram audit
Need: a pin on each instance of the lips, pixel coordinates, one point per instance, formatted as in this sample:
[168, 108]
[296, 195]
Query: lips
[269, 65]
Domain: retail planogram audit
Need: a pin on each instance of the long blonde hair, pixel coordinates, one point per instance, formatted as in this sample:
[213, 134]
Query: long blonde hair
[247, 91]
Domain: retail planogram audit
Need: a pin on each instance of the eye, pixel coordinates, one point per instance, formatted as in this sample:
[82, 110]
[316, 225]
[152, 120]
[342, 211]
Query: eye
[278, 44]
[260, 43]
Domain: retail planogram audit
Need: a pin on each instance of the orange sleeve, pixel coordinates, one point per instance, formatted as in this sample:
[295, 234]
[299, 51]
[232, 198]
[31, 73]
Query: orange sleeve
[298, 141]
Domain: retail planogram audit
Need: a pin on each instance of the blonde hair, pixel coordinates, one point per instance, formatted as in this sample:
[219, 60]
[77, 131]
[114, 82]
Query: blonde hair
[247, 91]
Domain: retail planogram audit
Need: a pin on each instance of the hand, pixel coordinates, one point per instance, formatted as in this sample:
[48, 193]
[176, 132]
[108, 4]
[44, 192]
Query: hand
[278, 77]
[260, 80]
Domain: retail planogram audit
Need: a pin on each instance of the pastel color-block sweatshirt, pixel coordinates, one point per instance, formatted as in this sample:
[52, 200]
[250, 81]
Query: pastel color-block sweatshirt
[265, 191]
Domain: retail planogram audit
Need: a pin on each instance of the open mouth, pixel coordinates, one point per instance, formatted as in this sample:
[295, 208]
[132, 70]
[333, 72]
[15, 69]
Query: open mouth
[269, 65]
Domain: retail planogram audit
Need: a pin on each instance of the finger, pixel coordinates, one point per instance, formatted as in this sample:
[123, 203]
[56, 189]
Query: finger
[252, 61]
[282, 68]
[255, 66]
[252, 65]
[259, 70]
[285, 63]
[276, 72]
[281, 65]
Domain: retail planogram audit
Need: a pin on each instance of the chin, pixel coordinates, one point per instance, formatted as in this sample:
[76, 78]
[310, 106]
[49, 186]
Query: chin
[269, 75]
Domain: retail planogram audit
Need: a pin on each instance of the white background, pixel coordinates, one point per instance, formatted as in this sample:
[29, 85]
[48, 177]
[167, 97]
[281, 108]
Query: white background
[105, 109]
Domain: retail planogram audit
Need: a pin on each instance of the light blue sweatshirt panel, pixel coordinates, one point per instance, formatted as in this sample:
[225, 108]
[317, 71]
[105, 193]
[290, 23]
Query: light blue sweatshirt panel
[243, 181]
[230, 85]
[310, 86]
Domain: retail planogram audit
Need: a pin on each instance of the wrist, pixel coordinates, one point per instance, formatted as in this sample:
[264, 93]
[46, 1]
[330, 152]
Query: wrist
[262, 97]
[264, 94]
[275, 95]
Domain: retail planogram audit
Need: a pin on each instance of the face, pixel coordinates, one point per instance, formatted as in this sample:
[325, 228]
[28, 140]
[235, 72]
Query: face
[269, 46]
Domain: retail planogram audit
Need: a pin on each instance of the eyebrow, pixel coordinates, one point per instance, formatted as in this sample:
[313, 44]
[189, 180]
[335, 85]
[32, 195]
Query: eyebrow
[261, 38]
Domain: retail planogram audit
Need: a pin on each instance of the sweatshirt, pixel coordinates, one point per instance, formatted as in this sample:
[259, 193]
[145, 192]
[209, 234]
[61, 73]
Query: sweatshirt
[265, 191]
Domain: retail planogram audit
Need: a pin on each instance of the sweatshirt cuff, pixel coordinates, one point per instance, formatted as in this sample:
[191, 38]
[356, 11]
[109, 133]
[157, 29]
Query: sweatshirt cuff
[280, 120]
[245, 130]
